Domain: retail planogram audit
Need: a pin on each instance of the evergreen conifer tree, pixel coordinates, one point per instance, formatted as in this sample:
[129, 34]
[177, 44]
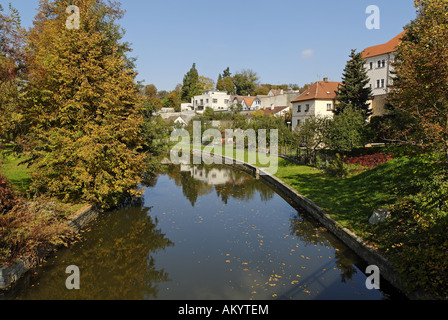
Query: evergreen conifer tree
[354, 91]
[191, 86]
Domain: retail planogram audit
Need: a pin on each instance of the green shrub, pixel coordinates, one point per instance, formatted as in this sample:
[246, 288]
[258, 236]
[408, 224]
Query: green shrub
[337, 168]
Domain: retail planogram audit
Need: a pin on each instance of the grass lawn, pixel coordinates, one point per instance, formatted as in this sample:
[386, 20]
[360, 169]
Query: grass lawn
[18, 175]
[352, 200]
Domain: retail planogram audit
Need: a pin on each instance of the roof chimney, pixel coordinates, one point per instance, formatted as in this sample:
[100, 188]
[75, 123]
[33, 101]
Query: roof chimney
[325, 79]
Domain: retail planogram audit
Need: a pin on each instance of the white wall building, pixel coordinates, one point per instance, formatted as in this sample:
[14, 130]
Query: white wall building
[318, 101]
[379, 61]
[217, 100]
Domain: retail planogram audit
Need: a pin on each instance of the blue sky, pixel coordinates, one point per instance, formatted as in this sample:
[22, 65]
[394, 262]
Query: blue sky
[284, 41]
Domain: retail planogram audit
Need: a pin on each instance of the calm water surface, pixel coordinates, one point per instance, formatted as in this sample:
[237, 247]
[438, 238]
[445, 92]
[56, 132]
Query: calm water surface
[204, 233]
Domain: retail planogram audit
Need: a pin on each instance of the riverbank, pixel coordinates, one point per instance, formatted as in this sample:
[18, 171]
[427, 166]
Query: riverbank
[11, 272]
[344, 206]
[33, 228]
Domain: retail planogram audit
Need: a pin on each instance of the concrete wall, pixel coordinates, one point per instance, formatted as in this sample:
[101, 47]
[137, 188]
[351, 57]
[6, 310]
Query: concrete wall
[283, 100]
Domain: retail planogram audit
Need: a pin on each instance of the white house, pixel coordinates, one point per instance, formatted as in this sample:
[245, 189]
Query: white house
[319, 101]
[251, 104]
[379, 61]
[217, 100]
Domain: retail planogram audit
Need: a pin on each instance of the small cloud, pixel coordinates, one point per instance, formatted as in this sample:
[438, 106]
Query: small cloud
[308, 53]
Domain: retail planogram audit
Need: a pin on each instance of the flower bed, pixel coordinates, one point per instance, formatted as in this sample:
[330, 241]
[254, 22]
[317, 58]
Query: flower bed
[369, 161]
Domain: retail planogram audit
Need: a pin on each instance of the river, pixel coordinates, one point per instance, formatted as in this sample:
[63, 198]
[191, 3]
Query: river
[204, 233]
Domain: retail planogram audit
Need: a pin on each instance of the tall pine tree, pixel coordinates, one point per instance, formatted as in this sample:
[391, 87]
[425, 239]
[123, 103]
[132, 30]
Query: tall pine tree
[354, 91]
[83, 105]
[191, 85]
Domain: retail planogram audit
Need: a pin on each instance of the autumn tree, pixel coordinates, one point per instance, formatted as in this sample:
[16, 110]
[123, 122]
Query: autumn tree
[173, 99]
[419, 92]
[12, 65]
[83, 105]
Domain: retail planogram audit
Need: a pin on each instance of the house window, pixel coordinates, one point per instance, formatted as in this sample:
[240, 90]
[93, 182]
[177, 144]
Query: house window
[298, 122]
[383, 63]
[379, 63]
[206, 101]
[307, 108]
[382, 83]
[329, 107]
[215, 100]
[378, 83]
[371, 65]
[299, 109]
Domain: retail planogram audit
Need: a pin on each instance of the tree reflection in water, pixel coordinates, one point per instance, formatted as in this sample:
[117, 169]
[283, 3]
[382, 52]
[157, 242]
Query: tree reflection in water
[115, 259]
[228, 183]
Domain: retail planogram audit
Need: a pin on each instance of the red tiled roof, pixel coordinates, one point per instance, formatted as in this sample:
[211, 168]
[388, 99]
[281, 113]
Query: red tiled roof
[274, 111]
[321, 90]
[387, 47]
[249, 101]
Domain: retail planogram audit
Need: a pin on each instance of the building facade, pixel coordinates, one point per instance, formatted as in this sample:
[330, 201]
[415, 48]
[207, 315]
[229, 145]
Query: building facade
[379, 60]
[217, 100]
[318, 101]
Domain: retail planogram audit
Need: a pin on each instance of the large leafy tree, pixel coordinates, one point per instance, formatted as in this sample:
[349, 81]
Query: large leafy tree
[354, 91]
[83, 105]
[419, 93]
[12, 64]
[347, 131]
[245, 82]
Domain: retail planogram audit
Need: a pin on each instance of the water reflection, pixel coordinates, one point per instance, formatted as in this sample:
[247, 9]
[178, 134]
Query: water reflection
[199, 180]
[204, 232]
[115, 258]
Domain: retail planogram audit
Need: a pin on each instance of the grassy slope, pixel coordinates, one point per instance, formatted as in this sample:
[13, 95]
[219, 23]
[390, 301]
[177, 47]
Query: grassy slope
[18, 175]
[352, 200]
